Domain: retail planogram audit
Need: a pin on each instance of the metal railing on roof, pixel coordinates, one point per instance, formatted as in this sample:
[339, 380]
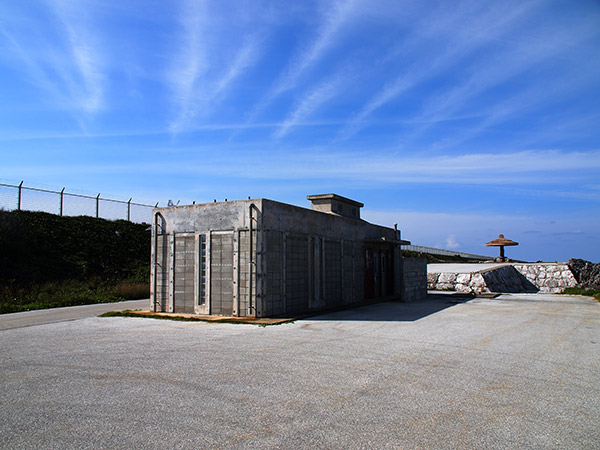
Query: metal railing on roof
[440, 251]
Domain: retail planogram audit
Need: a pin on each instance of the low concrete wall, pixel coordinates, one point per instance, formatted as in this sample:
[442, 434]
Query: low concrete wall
[414, 279]
[538, 277]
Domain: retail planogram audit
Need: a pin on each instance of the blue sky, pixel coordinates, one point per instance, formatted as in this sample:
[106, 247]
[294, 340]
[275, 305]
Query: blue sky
[457, 120]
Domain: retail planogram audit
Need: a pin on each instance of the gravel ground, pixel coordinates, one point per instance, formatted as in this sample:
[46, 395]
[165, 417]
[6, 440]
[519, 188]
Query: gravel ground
[518, 371]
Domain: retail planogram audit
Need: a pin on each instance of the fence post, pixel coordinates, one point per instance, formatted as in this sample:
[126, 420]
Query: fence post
[62, 196]
[19, 201]
[129, 210]
[97, 206]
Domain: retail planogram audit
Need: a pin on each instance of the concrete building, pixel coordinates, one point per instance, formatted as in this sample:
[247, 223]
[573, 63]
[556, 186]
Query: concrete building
[265, 258]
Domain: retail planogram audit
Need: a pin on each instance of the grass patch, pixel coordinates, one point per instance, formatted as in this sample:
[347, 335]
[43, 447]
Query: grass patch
[16, 298]
[130, 313]
[580, 291]
[145, 315]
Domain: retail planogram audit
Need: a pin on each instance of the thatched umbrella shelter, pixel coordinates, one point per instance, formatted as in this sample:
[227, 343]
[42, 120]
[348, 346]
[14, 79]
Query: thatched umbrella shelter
[501, 242]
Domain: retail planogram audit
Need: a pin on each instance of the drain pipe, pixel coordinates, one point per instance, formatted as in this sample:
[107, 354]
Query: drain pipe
[158, 216]
[251, 262]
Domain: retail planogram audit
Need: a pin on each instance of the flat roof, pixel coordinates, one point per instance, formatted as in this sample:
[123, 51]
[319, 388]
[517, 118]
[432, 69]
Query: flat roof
[339, 198]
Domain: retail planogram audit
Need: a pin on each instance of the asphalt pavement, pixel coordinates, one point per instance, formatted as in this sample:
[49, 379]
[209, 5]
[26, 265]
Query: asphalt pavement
[53, 315]
[518, 371]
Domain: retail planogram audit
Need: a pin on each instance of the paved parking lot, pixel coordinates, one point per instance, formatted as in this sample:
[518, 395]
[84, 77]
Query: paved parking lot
[518, 371]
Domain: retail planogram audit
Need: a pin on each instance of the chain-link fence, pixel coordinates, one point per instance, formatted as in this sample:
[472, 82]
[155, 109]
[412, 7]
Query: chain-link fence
[19, 197]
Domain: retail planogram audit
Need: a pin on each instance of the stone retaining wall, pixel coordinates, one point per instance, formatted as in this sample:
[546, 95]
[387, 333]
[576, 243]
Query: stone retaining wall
[549, 277]
[539, 277]
[460, 282]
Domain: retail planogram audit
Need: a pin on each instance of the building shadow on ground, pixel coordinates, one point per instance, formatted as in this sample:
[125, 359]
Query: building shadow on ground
[508, 279]
[395, 311]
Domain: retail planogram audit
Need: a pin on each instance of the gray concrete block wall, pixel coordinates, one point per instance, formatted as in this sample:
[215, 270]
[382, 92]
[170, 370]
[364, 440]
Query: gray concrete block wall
[414, 279]
[243, 270]
[296, 273]
[333, 273]
[184, 286]
[273, 300]
[221, 274]
[359, 272]
[290, 265]
[348, 274]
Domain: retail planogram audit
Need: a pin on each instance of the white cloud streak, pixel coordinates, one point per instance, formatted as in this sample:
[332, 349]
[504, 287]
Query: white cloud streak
[71, 71]
[341, 11]
[497, 69]
[338, 14]
[195, 88]
[460, 34]
[84, 77]
[542, 168]
[526, 167]
[519, 103]
[310, 103]
[190, 62]
[245, 58]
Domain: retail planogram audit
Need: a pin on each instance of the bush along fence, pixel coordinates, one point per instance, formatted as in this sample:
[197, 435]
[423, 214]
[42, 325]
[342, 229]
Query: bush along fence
[20, 197]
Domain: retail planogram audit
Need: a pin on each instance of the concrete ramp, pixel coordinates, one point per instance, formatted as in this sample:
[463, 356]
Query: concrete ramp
[505, 277]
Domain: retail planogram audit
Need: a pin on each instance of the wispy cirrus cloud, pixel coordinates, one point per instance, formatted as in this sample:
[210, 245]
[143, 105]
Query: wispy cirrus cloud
[524, 101]
[190, 62]
[86, 81]
[197, 79]
[524, 168]
[333, 21]
[67, 62]
[337, 14]
[499, 68]
[309, 104]
[457, 34]
[246, 57]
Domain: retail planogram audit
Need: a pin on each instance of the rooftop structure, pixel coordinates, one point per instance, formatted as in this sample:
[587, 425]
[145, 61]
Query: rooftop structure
[335, 204]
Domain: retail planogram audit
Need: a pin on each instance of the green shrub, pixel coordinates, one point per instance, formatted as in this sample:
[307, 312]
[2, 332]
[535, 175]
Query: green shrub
[579, 291]
[49, 261]
[37, 247]
[69, 293]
